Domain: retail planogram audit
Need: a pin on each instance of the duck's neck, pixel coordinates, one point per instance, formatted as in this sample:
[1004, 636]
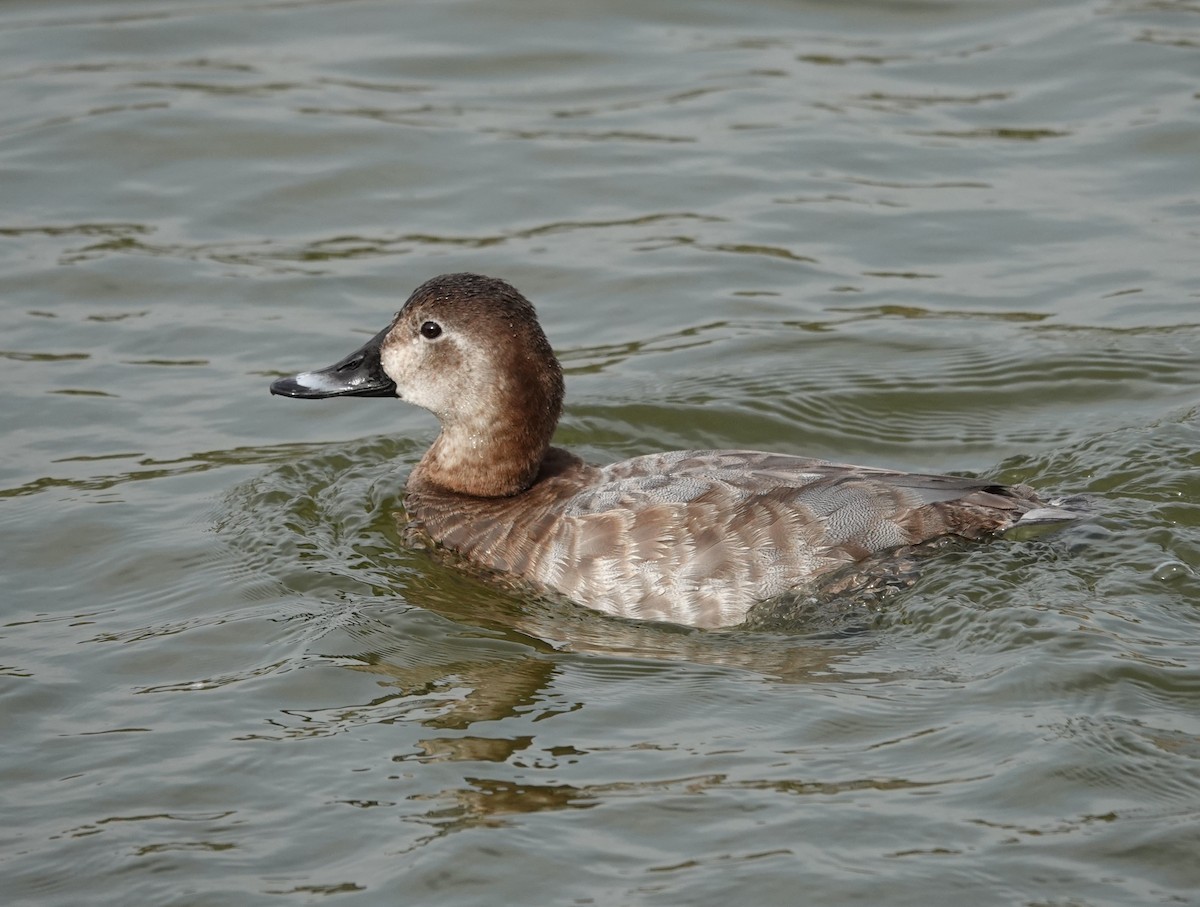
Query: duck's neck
[491, 463]
[495, 454]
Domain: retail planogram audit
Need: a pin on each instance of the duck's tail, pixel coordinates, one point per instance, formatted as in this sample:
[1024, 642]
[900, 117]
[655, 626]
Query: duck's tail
[1047, 517]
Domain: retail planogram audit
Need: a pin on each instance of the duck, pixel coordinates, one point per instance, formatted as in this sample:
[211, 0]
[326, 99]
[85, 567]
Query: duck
[692, 537]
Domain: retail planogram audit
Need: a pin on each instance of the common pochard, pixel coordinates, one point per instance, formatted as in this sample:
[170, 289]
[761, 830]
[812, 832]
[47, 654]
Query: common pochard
[692, 537]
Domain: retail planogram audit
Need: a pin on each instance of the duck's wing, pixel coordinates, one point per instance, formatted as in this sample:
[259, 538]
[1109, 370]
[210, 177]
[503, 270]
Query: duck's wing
[792, 514]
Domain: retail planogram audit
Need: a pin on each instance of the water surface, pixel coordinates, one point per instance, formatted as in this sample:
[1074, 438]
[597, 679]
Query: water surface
[953, 236]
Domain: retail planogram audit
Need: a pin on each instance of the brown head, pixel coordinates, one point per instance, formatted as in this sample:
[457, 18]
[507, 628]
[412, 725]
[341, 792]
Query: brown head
[470, 350]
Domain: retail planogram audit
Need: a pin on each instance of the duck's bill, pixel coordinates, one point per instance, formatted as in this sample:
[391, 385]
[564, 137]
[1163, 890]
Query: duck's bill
[358, 375]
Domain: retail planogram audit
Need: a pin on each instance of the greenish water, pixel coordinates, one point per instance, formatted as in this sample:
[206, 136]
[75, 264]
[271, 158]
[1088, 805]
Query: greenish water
[955, 236]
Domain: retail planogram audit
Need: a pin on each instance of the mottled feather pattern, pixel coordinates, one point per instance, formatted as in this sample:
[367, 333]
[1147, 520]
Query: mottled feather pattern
[699, 536]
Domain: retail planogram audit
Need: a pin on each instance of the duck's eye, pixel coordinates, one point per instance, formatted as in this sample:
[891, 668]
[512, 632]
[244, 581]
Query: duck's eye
[431, 330]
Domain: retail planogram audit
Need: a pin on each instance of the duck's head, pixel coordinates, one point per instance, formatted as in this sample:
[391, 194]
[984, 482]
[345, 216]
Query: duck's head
[470, 350]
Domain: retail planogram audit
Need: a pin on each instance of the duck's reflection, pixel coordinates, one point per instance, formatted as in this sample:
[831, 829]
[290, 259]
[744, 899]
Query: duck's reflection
[471, 655]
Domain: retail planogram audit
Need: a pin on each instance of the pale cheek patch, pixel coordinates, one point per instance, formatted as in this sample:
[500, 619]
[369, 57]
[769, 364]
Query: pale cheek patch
[391, 363]
[419, 382]
[397, 365]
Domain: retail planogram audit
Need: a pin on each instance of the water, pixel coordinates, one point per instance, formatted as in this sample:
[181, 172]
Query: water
[938, 236]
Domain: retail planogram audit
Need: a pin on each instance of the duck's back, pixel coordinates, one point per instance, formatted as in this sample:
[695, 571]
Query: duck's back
[698, 537]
